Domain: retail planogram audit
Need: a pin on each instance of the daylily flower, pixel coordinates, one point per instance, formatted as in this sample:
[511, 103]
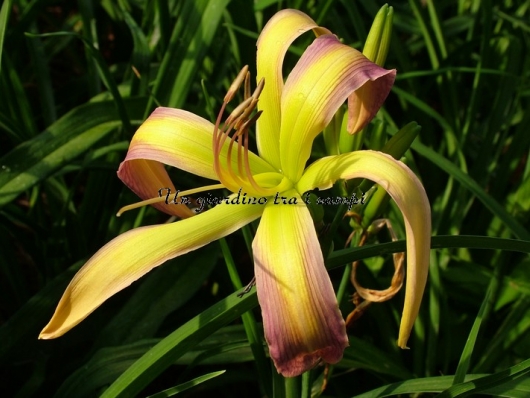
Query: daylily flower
[301, 318]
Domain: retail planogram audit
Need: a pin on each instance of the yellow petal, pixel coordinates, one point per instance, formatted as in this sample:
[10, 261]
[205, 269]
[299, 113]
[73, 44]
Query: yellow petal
[301, 318]
[179, 139]
[134, 253]
[277, 35]
[408, 193]
[321, 81]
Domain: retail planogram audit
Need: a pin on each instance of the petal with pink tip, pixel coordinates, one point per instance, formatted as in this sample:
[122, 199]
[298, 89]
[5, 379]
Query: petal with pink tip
[363, 104]
[134, 253]
[145, 178]
[276, 37]
[321, 81]
[180, 139]
[408, 193]
[301, 317]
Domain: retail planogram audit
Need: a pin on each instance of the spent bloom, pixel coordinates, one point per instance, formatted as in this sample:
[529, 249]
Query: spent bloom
[301, 318]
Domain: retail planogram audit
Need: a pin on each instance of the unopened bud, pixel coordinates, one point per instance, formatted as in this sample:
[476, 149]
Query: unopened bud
[378, 40]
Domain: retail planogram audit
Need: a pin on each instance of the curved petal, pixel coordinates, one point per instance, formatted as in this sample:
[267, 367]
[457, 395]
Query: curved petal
[323, 78]
[179, 139]
[364, 103]
[145, 178]
[301, 317]
[132, 254]
[276, 37]
[405, 188]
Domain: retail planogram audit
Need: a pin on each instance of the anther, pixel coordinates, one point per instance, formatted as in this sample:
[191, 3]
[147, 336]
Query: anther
[235, 130]
[247, 86]
[236, 84]
[259, 89]
[251, 121]
[246, 113]
[238, 111]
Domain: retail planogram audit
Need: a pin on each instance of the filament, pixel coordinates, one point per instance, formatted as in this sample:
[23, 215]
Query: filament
[236, 127]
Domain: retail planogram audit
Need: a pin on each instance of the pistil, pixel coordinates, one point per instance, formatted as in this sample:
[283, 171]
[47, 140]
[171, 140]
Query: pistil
[160, 198]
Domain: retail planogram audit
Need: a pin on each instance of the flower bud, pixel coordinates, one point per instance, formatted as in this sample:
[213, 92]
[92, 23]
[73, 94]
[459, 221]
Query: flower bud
[378, 40]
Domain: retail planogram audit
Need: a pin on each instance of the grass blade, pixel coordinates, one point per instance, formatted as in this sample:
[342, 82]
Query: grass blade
[4, 17]
[515, 227]
[340, 257]
[104, 72]
[488, 382]
[73, 134]
[186, 386]
[177, 343]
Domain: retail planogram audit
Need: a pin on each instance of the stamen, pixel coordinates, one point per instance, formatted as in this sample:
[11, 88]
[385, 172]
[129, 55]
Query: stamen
[239, 120]
[230, 179]
[234, 87]
[216, 129]
[238, 111]
[247, 163]
[239, 149]
[218, 139]
[164, 198]
[259, 89]
[229, 158]
[247, 86]
[246, 113]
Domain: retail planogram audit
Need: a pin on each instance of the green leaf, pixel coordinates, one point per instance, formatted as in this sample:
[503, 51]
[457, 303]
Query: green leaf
[508, 383]
[104, 74]
[4, 17]
[102, 369]
[19, 334]
[140, 56]
[341, 257]
[177, 72]
[490, 382]
[185, 386]
[517, 229]
[72, 135]
[485, 307]
[362, 354]
[162, 292]
[227, 345]
[156, 360]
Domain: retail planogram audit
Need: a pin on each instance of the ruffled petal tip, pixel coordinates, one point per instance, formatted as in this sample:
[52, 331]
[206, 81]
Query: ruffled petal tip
[292, 361]
[301, 317]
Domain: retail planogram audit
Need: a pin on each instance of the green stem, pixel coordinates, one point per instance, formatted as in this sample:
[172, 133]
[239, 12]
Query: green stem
[292, 387]
[306, 385]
